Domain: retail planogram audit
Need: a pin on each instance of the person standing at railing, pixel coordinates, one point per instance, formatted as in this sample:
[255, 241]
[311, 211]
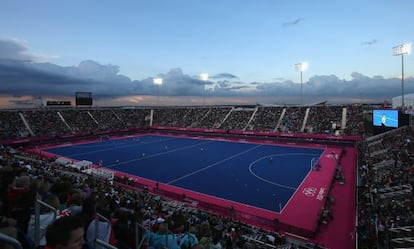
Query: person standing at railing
[90, 210]
[47, 216]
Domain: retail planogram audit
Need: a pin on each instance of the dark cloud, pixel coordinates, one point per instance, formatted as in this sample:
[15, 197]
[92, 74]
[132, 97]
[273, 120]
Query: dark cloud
[292, 23]
[176, 83]
[375, 87]
[224, 76]
[19, 77]
[370, 43]
[287, 88]
[238, 83]
[13, 50]
[238, 87]
[223, 83]
[24, 78]
[18, 51]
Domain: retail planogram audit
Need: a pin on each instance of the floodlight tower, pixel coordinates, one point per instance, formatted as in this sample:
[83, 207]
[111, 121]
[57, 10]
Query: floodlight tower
[158, 82]
[301, 67]
[204, 78]
[402, 50]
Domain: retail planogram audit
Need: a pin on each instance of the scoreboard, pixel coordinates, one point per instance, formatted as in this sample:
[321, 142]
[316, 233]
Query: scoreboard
[83, 98]
[58, 103]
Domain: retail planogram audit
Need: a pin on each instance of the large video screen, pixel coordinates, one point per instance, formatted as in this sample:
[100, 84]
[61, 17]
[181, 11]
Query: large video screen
[385, 118]
[83, 98]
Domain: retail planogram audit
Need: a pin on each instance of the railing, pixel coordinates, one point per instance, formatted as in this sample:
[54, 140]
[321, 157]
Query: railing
[11, 241]
[395, 191]
[402, 237]
[37, 219]
[98, 241]
[383, 165]
[138, 244]
[258, 241]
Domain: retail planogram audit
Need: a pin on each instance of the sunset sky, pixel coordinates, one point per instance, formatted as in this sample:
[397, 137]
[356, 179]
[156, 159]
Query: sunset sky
[249, 48]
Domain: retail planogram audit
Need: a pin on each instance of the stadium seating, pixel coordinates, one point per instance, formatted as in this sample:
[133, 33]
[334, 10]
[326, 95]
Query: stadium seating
[385, 181]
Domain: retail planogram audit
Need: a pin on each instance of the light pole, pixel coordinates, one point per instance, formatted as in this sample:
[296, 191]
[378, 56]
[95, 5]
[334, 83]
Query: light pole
[204, 78]
[301, 67]
[402, 50]
[158, 82]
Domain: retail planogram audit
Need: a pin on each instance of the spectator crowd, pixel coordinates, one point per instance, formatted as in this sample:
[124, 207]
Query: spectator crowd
[27, 178]
[51, 122]
[385, 190]
[385, 181]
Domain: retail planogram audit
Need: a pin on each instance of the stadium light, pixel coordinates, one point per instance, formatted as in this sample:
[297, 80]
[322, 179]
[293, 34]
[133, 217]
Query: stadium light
[397, 51]
[301, 67]
[158, 82]
[204, 77]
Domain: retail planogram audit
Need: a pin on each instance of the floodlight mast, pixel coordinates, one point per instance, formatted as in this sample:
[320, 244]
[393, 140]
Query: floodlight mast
[397, 51]
[158, 82]
[204, 78]
[301, 67]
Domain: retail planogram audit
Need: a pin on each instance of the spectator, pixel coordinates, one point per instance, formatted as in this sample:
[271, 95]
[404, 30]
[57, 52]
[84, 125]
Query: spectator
[89, 211]
[7, 227]
[162, 238]
[46, 218]
[65, 233]
[189, 239]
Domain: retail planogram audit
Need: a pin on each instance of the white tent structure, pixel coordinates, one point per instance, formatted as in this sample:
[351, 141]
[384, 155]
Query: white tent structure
[63, 161]
[408, 101]
[81, 165]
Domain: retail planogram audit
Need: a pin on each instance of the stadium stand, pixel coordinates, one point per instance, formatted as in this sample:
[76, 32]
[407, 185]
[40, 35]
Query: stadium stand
[385, 193]
[137, 218]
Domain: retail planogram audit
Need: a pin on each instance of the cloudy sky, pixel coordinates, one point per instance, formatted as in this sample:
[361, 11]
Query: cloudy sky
[51, 49]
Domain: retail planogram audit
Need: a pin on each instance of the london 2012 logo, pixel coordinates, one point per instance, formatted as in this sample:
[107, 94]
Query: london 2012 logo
[309, 191]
